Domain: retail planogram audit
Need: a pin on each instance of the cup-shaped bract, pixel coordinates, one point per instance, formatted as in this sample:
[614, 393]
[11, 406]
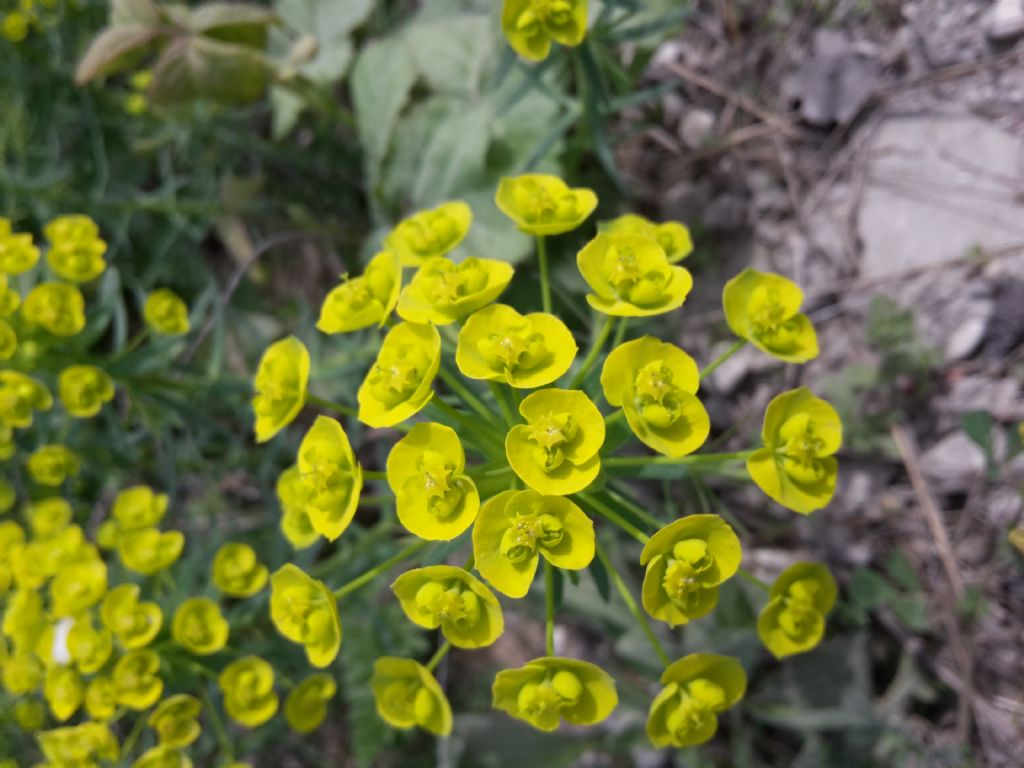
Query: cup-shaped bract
[280, 384]
[163, 756]
[764, 309]
[530, 26]
[697, 688]
[10, 299]
[434, 498]
[149, 550]
[305, 708]
[134, 623]
[138, 507]
[656, 385]
[548, 690]
[557, 451]
[237, 571]
[454, 600]
[429, 233]
[516, 528]
[686, 562]
[524, 351]
[100, 703]
[136, 679]
[166, 313]
[365, 300]
[248, 688]
[796, 467]
[408, 696]
[176, 720]
[76, 250]
[78, 586]
[18, 253]
[88, 645]
[443, 292]
[8, 340]
[199, 626]
[48, 516]
[55, 307]
[296, 524]
[20, 397]
[400, 382]
[84, 389]
[52, 464]
[304, 611]
[544, 205]
[672, 236]
[630, 276]
[331, 477]
[85, 744]
[63, 690]
[794, 619]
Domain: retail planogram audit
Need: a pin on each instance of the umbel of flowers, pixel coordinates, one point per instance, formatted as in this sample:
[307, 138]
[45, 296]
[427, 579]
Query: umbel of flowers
[503, 448]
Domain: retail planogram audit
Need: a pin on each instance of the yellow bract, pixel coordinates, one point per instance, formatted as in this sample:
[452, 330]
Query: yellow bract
[166, 313]
[237, 572]
[656, 383]
[138, 507]
[407, 695]
[17, 252]
[137, 684]
[399, 384]
[175, 720]
[556, 451]
[516, 528]
[672, 236]
[78, 586]
[84, 389]
[544, 205]
[199, 626]
[56, 307]
[48, 516]
[20, 396]
[306, 705]
[248, 688]
[149, 550]
[52, 464]
[434, 498]
[796, 466]
[764, 309]
[163, 756]
[686, 562]
[429, 233]
[99, 698]
[63, 691]
[443, 292]
[296, 524]
[524, 351]
[697, 688]
[134, 623]
[280, 384]
[79, 745]
[630, 276]
[331, 477]
[545, 691]
[76, 250]
[365, 300]
[10, 299]
[794, 619]
[88, 645]
[8, 340]
[531, 25]
[304, 610]
[451, 598]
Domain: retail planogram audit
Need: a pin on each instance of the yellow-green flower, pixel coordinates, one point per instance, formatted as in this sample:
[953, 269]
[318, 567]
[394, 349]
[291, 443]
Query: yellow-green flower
[7, 446]
[280, 384]
[22, 672]
[84, 389]
[331, 476]
[400, 383]
[24, 618]
[149, 550]
[166, 313]
[78, 586]
[48, 516]
[630, 276]
[17, 252]
[100, 703]
[796, 466]
[30, 715]
[545, 691]
[175, 720]
[764, 309]
[429, 233]
[63, 691]
[407, 695]
[52, 464]
[366, 300]
[556, 451]
[686, 562]
[248, 688]
[10, 299]
[20, 396]
[199, 626]
[296, 524]
[516, 528]
[134, 623]
[89, 646]
[137, 683]
[8, 497]
[304, 611]
[138, 507]
[524, 351]
[56, 307]
[163, 756]
[453, 599]
[237, 572]
[697, 689]
[794, 619]
[530, 26]
[544, 205]
[672, 236]
[38, 560]
[76, 250]
[306, 706]
[443, 292]
[434, 497]
[83, 745]
[8, 340]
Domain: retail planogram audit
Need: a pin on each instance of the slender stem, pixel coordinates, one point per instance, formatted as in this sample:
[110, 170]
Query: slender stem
[133, 736]
[218, 726]
[466, 394]
[470, 562]
[736, 347]
[595, 350]
[697, 458]
[612, 516]
[614, 416]
[473, 426]
[620, 331]
[376, 501]
[506, 410]
[636, 509]
[132, 344]
[374, 474]
[329, 405]
[489, 473]
[410, 551]
[549, 608]
[627, 598]
[545, 283]
[438, 655]
[754, 580]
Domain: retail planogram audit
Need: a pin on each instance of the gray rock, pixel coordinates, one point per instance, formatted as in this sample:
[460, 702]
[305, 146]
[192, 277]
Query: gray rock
[953, 463]
[1005, 20]
[834, 82]
[695, 127]
[1000, 397]
[967, 337]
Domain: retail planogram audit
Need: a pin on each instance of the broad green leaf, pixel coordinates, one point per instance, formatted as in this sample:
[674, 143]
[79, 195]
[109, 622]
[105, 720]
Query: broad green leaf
[113, 50]
[455, 157]
[332, 22]
[234, 23]
[452, 54]
[199, 67]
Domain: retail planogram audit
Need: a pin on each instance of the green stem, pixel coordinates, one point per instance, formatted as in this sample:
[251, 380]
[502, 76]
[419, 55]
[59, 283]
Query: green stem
[410, 551]
[620, 331]
[473, 426]
[440, 654]
[506, 410]
[614, 416]
[744, 573]
[545, 283]
[218, 726]
[133, 736]
[696, 458]
[549, 607]
[374, 474]
[612, 516]
[328, 405]
[132, 344]
[376, 501]
[736, 347]
[636, 509]
[627, 598]
[460, 389]
[595, 350]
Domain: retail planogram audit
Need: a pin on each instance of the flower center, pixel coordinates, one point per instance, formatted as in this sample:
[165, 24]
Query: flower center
[556, 692]
[327, 479]
[443, 488]
[657, 397]
[514, 348]
[699, 700]
[541, 13]
[688, 564]
[550, 434]
[446, 283]
[430, 233]
[632, 278]
[449, 603]
[799, 617]
[520, 540]
[772, 321]
[801, 449]
[395, 378]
